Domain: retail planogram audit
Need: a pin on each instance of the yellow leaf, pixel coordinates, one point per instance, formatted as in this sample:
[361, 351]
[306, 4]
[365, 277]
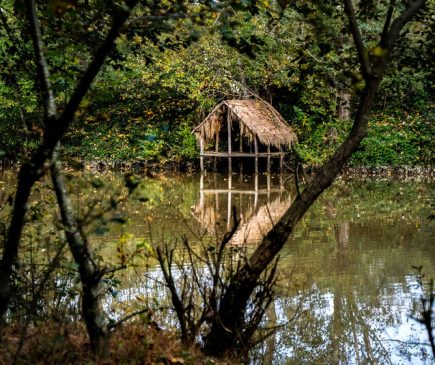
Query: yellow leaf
[379, 51]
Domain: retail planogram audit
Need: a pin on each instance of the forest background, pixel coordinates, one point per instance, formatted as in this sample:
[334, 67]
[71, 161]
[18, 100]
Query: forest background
[171, 67]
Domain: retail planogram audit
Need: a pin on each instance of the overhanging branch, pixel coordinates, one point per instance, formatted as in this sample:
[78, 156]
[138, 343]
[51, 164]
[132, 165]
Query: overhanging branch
[413, 6]
[54, 134]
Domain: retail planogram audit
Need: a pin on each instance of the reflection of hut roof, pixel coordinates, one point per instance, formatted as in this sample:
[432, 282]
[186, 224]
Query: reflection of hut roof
[254, 225]
[257, 119]
[255, 228]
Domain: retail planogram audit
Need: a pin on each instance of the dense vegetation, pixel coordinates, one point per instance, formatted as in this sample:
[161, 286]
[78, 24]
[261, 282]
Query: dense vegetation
[127, 81]
[170, 69]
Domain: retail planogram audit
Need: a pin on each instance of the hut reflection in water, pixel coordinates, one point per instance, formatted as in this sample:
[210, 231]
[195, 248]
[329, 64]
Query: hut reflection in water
[260, 201]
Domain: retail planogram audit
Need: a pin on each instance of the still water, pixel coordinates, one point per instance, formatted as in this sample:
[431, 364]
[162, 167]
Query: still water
[347, 287]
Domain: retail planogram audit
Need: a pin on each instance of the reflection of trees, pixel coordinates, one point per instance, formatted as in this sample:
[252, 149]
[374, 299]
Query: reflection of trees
[356, 293]
[352, 255]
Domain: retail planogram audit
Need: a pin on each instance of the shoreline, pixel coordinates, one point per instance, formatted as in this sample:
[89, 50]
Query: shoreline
[173, 167]
[142, 167]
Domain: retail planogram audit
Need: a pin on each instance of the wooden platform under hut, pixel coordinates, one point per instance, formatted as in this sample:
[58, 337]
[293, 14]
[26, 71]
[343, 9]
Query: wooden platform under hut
[244, 128]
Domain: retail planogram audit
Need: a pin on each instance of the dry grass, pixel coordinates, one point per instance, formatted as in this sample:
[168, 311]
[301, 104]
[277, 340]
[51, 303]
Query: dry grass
[131, 344]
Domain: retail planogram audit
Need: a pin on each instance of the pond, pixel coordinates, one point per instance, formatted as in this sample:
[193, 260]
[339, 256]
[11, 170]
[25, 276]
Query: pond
[347, 287]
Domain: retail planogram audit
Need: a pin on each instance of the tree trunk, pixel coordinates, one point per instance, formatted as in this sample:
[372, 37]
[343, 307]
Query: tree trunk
[343, 112]
[233, 305]
[92, 310]
[26, 179]
[232, 309]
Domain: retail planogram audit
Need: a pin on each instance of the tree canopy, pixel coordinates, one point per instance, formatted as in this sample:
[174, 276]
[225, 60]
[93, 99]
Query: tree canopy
[299, 56]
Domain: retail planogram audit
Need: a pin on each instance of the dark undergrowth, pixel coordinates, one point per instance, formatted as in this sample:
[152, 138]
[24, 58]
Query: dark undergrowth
[134, 343]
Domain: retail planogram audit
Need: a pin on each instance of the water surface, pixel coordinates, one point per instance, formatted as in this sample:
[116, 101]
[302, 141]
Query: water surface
[347, 286]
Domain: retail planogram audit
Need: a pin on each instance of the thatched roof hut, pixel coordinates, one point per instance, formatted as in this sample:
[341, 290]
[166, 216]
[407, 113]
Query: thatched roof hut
[252, 119]
[257, 118]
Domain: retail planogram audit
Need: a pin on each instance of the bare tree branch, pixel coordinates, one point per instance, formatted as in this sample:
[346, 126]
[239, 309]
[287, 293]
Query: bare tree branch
[384, 35]
[413, 6]
[361, 49]
[41, 62]
[165, 261]
[126, 318]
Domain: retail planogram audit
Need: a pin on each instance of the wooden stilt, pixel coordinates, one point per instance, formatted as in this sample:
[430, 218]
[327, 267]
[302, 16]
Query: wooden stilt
[216, 149]
[240, 159]
[230, 167]
[229, 201]
[201, 158]
[256, 190]
[216, 194]
[256, 154]
[268, 158]
[240, 205]
[201, 192]
[281, 160]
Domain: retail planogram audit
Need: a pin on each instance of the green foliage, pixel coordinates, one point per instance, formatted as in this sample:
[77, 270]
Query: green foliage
[401, 140]
[166, 75]
[392, 140]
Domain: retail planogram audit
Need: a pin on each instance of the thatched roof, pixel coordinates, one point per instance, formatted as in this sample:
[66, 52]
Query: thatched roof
[257, 118]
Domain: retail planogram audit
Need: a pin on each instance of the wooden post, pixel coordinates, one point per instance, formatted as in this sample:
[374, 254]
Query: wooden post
[216, 148]
[241, 150]
[281, 159]
[201, 192]
[230, 167]
[256, 154]
[215, 186]
[256, 190]
[268, 158]
[229, 201]
[201, 158]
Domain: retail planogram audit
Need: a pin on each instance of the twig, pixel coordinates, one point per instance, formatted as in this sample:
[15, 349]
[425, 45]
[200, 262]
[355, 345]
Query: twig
[126, 318]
